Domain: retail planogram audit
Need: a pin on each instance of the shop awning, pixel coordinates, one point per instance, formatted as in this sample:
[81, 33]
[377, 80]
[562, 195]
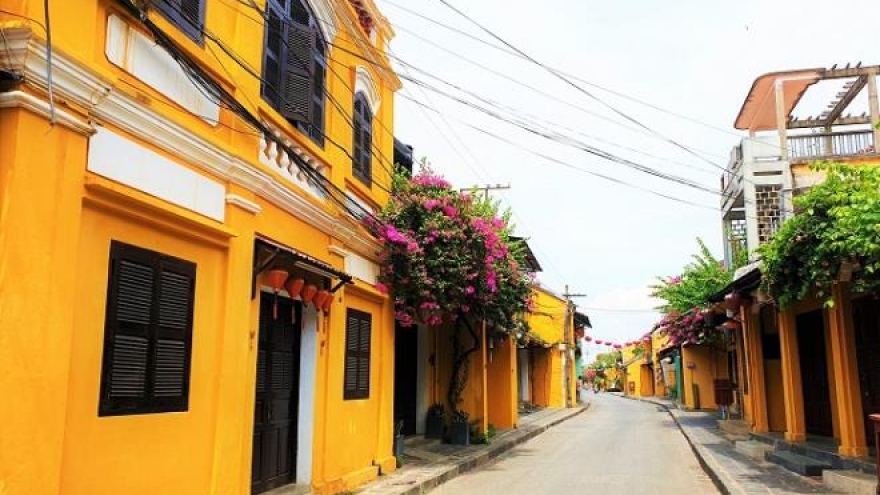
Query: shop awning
[268, 253]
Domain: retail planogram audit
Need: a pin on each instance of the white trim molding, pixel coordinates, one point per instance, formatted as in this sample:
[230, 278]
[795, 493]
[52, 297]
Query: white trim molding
[15, 99]
[243, 203]
[365, 83]
[82, 86]
[323, 10]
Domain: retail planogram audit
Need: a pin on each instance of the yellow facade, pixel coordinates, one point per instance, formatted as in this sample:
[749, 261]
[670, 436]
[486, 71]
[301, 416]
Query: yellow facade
[59, 215]
[552, 373]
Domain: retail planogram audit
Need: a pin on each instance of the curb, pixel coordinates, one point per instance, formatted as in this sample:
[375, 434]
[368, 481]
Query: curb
[479, 459]
[701, 459]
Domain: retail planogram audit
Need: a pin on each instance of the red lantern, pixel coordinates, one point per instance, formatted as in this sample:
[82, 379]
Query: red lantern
[617, 346]
[275, 279]
[599, 342]
[328, 303]
[294, 286]
[320, 297]
[308, 293]
[609, 344]
[731, 325]
[588, 338]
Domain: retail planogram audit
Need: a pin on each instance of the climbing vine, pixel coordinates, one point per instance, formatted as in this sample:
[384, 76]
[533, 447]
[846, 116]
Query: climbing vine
[836, 228]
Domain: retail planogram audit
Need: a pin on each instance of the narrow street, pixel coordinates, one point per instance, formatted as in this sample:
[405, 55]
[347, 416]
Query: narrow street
[619, 446]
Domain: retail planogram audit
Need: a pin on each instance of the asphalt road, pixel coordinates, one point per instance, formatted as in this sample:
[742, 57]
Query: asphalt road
[619, 446]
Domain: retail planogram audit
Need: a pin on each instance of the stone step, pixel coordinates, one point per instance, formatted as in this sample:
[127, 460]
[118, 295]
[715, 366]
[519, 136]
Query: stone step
[848, 481]
[799, 464]
[753, 449]
[734, 427]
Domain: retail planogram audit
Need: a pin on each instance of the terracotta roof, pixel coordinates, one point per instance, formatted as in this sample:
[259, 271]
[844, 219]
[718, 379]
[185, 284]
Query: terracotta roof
[758, 112]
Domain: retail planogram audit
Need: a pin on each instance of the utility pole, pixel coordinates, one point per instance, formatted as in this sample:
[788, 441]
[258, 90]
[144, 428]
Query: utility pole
[568, 332]
[487, 187]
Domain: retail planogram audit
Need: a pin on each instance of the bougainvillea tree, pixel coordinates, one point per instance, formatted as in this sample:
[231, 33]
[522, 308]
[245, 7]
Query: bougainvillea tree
[686, 320]
[449, 259]
[838, 223]
[692, 327]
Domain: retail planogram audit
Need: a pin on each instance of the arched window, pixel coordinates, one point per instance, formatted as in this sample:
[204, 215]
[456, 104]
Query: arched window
[362, 151]
[294, 65]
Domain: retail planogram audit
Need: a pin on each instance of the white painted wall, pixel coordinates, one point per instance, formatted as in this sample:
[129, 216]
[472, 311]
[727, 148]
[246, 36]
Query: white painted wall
[308, 361]
[522, 364]
[127, 162]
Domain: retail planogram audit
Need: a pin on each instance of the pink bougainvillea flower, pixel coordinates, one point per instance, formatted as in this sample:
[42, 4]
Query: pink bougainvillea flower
[381, 287]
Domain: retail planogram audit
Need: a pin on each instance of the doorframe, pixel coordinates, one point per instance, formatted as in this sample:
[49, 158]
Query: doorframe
[308, 369]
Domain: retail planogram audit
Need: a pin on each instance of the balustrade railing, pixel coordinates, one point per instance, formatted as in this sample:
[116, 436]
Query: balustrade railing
[853, 143]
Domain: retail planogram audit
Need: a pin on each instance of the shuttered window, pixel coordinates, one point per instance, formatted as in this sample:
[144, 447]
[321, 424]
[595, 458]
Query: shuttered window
[147, 332]
[188, 15]
[363, 139]
[358, 332]
[294, 66]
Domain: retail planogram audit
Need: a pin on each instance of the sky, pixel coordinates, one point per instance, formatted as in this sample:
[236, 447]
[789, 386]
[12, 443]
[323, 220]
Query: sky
[694, 58]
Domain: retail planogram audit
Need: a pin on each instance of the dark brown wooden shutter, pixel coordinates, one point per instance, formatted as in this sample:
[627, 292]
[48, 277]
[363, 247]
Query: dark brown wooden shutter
[173, 333]
[358, 335]
[188, 15]
[364, 337]
[297, 90]
[362, 128]
[147, 332]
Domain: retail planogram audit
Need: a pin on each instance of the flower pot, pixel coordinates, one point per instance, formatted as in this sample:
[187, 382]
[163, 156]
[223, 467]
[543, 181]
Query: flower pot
[434, 426]
[459, 433]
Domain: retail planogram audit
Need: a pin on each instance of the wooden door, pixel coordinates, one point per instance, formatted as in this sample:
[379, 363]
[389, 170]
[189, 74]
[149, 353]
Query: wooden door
[277, 393]
[866, 323]
[814, 373]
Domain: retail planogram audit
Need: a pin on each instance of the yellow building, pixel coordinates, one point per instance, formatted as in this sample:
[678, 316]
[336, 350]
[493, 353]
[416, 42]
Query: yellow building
[806, 369]
[163, 173]
[546, 365]
[639, 370]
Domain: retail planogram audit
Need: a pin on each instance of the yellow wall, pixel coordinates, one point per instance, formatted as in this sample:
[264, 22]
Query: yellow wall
[39, 225]
[552, 322]
[502, 383]
[710, 364]
[56, 224]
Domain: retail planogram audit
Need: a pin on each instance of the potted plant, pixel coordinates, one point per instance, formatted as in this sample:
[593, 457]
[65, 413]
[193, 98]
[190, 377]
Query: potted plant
[459, 428]
[435, 421]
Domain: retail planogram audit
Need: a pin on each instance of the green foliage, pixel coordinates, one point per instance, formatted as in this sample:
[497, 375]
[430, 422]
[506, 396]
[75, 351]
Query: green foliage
[837, 221]
[699, 280]
[478, 436]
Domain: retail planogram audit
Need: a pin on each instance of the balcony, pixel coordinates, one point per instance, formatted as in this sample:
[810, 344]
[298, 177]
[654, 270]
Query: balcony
[831, 145]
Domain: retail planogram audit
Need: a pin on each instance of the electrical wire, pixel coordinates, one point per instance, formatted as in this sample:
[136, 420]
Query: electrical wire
[569, 165]
[580, 88]
[330, 190]
[50, 82]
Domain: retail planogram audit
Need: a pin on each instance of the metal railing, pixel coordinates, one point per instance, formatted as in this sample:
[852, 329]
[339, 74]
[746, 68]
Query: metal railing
[853, 143]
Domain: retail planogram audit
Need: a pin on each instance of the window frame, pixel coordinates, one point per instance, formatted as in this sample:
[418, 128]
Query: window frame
[364, 322]
[272, 88]
[362, 139]
[152, 331]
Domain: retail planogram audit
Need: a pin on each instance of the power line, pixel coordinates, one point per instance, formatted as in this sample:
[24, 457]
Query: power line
[568, 74]
[579, 88]
[566, 164]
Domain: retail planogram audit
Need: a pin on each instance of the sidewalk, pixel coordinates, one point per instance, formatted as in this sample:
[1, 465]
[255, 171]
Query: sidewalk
[732, 471]
[430, 463]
